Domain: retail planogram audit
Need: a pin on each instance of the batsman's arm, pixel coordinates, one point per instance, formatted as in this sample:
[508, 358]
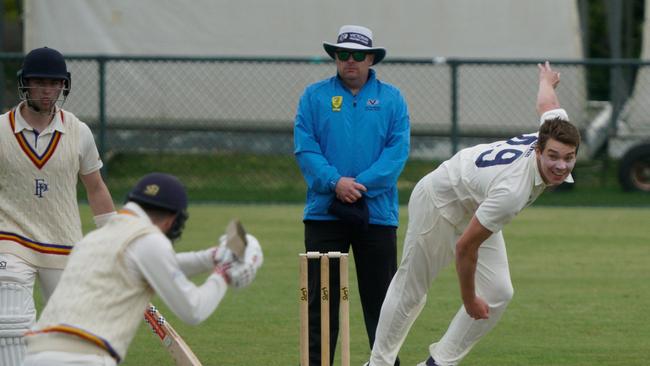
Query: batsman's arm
[196, 262]
[189, 302]
[98, 195]
[234, 241]
[90, 164]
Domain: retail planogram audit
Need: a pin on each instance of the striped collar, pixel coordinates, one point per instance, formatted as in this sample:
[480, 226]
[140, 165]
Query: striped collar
[38, 160]
[55, 125]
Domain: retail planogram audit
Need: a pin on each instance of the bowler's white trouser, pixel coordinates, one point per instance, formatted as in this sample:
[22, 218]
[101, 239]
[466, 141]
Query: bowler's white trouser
[51, 358]
[17, 311]
[429, 247]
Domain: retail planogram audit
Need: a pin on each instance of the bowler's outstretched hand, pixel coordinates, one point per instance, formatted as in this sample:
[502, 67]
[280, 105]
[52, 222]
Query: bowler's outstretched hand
[548, 75]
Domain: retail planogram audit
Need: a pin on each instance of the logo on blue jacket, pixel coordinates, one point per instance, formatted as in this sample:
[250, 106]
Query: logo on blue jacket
[372, 105]
[337, 101]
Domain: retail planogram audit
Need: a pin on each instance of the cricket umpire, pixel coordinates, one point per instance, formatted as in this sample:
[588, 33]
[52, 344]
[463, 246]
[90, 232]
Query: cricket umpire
[351, 137]
[114, 271]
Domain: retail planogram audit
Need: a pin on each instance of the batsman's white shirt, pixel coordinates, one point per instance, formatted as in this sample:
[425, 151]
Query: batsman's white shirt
[89, 159]
[39, 216]
[77, 319]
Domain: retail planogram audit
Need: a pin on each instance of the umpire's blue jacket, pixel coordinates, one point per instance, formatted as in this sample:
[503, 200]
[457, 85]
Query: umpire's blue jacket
[366, 136]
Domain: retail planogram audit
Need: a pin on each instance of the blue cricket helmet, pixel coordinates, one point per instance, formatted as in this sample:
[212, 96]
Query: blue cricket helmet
[165, 192]
[45, 63]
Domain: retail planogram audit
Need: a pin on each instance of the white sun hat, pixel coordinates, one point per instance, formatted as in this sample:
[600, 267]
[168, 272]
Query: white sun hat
[355, 38]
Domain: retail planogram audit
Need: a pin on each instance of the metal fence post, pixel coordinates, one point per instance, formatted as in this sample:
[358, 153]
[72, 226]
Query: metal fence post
[2, 64]
[454, 107]
[101, 63]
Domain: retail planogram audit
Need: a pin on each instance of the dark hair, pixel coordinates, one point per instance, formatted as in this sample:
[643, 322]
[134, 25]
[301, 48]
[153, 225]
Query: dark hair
[155, 212]
[559, 130]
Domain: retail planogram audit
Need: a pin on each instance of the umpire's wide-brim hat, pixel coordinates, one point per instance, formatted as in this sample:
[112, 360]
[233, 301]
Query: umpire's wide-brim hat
[355, 38]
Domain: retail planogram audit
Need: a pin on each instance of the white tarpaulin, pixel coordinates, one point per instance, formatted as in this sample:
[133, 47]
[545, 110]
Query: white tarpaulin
[423, 28]
[488, 96]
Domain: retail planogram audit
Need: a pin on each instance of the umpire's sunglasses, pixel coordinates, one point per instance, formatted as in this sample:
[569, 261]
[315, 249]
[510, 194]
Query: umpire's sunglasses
[357, 56]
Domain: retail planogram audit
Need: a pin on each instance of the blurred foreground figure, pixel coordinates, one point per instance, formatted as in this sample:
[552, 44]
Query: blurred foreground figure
[114, 271]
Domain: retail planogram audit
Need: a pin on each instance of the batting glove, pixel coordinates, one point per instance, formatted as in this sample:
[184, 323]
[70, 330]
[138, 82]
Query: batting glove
[222, 254]
[241, 272]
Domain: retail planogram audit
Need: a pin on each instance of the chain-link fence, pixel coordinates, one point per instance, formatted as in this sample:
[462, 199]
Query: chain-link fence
[225, 124]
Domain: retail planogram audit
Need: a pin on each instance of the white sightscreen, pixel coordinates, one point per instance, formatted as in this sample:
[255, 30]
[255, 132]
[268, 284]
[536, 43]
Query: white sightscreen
[488, 96]
[418, 28]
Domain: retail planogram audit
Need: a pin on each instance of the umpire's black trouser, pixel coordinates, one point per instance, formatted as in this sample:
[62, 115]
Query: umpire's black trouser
[375, 257]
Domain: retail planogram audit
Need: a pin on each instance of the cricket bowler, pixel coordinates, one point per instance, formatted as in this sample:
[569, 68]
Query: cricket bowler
[457, 212]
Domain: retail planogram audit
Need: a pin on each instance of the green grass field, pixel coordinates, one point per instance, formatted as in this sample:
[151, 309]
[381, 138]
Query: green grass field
[581, 292]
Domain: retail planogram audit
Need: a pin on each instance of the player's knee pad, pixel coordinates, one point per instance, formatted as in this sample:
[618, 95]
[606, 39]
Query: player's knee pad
[12, 351]
[17, 312]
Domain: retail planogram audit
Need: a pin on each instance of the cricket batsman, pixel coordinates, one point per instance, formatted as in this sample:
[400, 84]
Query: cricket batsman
[113, 272]
[44, 152]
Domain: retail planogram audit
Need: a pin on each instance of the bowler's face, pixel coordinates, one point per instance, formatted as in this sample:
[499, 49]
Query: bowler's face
[556, 162]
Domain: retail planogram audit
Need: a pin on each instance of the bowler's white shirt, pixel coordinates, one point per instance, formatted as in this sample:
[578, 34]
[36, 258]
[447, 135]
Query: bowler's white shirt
[492, 181]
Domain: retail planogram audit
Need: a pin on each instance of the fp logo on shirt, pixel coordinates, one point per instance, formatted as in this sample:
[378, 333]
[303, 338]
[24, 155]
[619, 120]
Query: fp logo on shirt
[40, 187]
[337, 101]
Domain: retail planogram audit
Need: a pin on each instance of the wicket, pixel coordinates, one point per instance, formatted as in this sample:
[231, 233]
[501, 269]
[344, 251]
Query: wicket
[344, 316]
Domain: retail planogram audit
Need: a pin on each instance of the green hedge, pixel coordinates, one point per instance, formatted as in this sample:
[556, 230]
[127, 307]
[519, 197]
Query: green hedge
[276, 178]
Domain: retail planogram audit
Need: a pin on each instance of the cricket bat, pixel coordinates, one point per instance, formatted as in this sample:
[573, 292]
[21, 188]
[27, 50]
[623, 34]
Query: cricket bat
[179, 350]
[236, 238]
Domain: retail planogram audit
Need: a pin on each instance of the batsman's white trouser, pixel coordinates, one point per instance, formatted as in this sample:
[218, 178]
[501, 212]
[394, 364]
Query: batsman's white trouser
[51, 358]
[429, 247]
[17, 311]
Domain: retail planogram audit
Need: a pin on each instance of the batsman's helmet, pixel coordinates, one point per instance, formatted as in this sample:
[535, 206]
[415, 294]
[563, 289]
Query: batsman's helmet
[164, 192]
[45, 63]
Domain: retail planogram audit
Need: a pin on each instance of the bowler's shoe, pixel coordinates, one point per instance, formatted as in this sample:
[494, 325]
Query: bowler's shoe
[428, 362]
